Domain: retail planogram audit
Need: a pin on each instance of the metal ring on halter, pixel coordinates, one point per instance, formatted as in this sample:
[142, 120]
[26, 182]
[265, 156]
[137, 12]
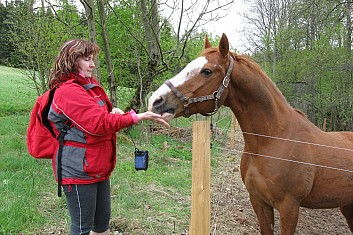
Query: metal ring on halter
[226, 82]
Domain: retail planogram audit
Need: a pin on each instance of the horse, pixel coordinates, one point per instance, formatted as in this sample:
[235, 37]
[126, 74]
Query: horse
[287, 162]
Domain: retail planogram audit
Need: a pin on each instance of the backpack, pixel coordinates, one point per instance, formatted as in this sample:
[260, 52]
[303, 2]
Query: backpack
[41, 140]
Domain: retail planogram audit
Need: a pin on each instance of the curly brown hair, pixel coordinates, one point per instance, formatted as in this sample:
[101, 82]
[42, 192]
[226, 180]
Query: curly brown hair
[66, 61]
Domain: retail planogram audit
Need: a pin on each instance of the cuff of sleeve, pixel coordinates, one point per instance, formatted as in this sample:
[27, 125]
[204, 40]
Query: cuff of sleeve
[134, 116]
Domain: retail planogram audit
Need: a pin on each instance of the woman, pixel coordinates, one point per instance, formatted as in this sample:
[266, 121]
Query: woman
[89, 153]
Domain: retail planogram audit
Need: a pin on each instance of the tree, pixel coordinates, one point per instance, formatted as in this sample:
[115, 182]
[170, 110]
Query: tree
[37, 33]
[6, 48]
[296, 42]
[348, 14]
[90, 14]
[106, 48]
[31, 34]
[142, 44]
[159, 59]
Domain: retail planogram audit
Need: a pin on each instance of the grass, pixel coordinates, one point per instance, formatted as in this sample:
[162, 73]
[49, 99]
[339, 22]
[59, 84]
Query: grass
[16, 94]
[23, 180]
[156, 201]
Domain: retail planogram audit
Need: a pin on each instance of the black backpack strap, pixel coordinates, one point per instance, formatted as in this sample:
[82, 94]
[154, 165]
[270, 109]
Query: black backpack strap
[45, 112]
[60, 138]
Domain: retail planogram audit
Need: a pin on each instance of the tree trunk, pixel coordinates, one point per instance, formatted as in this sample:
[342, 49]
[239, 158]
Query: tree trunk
[106, 49]
[152, 33]
[89, 8]
[349, 29]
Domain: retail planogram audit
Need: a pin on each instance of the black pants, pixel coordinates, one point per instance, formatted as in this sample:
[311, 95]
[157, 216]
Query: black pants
[89, 207]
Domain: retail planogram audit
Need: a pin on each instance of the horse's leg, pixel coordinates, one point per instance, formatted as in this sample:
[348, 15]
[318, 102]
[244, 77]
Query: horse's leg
[265, 216]
[347, 211]
[288, 215]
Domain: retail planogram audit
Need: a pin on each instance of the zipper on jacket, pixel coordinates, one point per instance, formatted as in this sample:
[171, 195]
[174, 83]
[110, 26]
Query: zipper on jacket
[85, 161]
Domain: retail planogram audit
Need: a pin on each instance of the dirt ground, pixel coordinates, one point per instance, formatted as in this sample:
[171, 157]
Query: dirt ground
[232, 212]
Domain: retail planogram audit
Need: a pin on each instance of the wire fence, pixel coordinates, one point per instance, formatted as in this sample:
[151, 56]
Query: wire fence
[220, 138]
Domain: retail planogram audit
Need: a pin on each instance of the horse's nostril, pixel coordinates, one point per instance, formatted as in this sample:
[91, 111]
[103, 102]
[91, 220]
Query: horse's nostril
[158, 102]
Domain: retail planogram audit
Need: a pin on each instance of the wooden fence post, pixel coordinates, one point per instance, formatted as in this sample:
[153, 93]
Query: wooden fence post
[201, 176]
[324, 125]
[232, 132]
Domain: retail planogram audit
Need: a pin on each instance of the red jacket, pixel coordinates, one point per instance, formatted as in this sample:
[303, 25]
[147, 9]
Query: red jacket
[89, 153]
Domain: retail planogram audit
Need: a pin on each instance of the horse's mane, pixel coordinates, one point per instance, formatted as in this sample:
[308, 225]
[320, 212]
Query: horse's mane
[300, 112]
[243, 59]
[249, 62]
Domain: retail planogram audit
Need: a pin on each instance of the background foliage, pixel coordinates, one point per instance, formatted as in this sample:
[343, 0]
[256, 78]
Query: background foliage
[304, 46]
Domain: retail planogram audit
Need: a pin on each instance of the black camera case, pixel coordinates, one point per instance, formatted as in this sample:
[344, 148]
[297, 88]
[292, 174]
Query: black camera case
[141, 160]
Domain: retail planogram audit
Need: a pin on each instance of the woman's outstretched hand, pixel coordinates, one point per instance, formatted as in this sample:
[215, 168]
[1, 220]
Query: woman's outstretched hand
[152, 117]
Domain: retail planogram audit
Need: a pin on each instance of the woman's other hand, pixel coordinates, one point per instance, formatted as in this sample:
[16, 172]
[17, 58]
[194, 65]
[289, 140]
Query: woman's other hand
[117, 111]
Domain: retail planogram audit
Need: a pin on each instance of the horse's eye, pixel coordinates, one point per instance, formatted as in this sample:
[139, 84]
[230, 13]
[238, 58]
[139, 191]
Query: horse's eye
[206, 72]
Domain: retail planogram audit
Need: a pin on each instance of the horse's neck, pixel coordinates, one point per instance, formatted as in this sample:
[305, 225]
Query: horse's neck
[257, 103]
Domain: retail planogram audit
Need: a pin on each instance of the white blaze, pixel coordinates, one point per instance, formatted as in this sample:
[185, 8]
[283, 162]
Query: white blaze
[192, 68]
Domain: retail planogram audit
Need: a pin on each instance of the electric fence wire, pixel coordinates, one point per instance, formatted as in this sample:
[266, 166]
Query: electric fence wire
[280, 158]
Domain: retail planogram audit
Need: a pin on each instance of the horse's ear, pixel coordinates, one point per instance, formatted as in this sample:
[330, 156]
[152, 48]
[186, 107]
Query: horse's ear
[207, 43]
[223, 45]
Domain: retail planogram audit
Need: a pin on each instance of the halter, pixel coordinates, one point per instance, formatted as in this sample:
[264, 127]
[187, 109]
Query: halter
[216, 95]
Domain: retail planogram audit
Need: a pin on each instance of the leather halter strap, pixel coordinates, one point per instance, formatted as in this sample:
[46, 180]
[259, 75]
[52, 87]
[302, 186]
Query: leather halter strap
[216, 95]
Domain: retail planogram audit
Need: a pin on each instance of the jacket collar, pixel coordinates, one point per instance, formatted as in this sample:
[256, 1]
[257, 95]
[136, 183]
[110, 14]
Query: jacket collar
[79, 79]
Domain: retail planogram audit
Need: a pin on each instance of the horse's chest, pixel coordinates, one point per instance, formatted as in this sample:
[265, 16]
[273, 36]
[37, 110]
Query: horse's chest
[264, 181]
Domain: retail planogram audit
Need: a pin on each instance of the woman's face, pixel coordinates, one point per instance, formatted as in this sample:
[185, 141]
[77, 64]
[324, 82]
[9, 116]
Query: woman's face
[86, 66]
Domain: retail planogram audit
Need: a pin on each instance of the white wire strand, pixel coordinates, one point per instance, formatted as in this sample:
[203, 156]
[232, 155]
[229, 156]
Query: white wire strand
[298, 141]
[283, 159]
[287, 160]
[279, 158]
[290, 140]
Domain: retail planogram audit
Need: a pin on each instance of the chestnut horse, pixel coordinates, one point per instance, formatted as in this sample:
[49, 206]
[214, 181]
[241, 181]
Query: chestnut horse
[287, 161]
